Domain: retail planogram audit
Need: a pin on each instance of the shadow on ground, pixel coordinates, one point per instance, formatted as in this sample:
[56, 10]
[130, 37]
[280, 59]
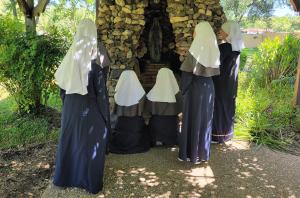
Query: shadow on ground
[235, 170]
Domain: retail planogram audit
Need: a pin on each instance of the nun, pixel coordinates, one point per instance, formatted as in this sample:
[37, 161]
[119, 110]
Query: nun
[226, 84]
[85, 114]
[130, 133]
[163, 102]
[200, 65]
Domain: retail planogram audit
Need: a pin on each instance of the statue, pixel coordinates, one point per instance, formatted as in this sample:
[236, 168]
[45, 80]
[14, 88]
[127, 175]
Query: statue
[155, 41]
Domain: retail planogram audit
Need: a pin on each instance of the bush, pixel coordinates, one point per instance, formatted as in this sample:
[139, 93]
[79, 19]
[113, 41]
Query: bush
[276, 60]
[27, 64]
[246, 57]
[266, 114]
[264, 104]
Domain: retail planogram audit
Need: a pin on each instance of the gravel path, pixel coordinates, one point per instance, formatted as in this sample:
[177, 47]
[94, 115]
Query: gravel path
[235, 170]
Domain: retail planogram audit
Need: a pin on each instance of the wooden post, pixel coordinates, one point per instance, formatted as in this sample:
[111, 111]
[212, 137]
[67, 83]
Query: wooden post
[297, 87]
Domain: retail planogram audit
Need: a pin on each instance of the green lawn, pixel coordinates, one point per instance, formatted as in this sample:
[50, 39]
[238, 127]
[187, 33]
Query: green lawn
[16, 130]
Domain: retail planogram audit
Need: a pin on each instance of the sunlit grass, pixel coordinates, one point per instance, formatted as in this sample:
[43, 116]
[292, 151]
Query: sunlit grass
[265, 115]
[3, 93]
[18, 130]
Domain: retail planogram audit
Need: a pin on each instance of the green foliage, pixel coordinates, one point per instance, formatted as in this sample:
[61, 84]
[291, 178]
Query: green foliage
[64, 16]
[276, 61]
[266, 115]
[277, 24]
[16, 130]
[27, 65]
[237, 9]
[246, 57]
[264, 105]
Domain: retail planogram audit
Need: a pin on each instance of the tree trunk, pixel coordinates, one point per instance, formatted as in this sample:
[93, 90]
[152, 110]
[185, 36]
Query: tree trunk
[30, 24]
[297, 87]
[30, 18]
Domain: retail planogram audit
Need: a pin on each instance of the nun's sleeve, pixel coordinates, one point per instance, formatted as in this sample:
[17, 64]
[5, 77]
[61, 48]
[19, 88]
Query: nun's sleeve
[186, 81]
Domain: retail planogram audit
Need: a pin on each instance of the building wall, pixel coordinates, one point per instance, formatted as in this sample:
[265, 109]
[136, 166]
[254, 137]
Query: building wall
[254, 40]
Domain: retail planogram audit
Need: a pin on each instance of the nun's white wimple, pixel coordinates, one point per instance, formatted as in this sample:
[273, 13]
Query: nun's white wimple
[165, 88]
[72, 74]
[235, 37]
[129, 90]
[205, 47]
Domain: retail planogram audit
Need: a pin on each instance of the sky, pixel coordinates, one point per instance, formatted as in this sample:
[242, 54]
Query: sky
[284, 11]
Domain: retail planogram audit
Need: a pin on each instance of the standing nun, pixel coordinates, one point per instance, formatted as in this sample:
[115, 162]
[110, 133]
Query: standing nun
[164, 105]
[130, 133]
[226, 83]
[198, 93]
[85, 115]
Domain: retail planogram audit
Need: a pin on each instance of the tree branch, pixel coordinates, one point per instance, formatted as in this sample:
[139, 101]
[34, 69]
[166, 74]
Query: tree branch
[24, 7]
[40, 8]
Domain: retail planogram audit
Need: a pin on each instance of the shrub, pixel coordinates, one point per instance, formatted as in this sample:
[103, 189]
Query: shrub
[264, 104]
[27, 64]
[276, 60]
[266, 114]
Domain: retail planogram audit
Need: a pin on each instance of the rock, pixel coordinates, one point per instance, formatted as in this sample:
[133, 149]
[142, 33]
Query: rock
[139, 11]
[178, 19]
[117, 19]
[120, 26]
[129, 54]
[120, 2]
[126, 10]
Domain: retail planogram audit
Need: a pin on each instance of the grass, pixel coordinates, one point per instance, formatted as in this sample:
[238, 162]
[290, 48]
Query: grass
[16, 130]
[264, 115]
[245, 57]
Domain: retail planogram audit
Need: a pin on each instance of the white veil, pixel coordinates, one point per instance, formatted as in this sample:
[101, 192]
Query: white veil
[129, 90]
[72, 74]
[165, 88]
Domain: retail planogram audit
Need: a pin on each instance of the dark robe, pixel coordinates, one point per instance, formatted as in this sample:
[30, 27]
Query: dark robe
[226, 92]
[130, 134]
[198, 101]
[84, 135]
[163, 124]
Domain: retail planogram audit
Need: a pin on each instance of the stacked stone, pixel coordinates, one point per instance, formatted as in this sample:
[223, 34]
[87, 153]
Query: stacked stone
[185, 14]
[166, 27]
[120, 26]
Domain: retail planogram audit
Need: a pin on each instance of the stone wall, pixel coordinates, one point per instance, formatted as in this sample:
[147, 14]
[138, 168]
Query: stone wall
[120, 25]
[185, 14]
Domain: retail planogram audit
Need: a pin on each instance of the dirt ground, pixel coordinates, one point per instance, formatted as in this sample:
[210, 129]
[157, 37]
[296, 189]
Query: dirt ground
[25, 172]
[235, 170]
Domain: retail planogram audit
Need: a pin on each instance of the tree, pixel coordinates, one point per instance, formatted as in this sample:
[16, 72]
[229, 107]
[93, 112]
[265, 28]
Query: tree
[13, 7]
[64, 15]
[31, 12]
[237, 9]
[282, 24]
[9, 7]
